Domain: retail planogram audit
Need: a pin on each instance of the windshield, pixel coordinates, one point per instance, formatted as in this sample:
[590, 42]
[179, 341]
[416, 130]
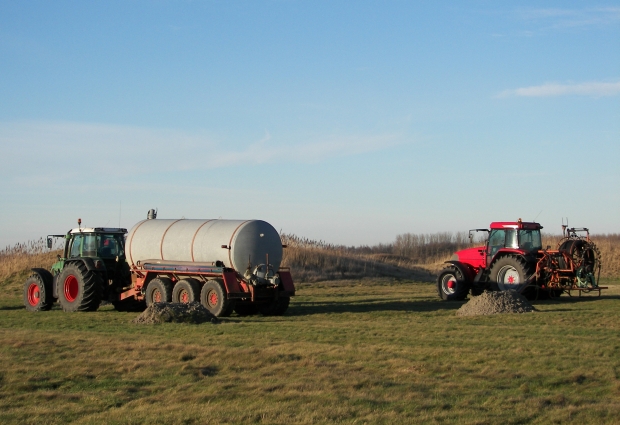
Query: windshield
[529, 240]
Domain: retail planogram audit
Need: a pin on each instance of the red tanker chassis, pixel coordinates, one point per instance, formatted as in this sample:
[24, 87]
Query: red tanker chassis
[513, 258]
[218, 288]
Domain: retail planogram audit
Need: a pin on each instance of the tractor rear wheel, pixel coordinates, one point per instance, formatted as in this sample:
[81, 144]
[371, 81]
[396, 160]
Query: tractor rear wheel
[37, 294]
[186, 291]
[79, 289]
[510, 272]
[159, 290]
[451, 285]
[213, 297]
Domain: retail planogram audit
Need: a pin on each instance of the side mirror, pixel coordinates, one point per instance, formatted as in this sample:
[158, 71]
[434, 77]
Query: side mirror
[49, 243]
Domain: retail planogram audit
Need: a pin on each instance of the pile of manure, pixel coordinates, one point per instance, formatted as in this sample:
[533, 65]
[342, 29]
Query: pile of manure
[496, 302]
[175, 312]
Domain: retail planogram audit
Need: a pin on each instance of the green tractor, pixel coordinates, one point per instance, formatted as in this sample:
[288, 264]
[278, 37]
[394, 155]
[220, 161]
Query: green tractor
[92, 269]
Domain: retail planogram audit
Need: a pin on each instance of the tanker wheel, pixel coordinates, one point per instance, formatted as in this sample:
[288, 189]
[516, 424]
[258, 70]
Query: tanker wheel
[186, 291]
[451, 285]
[510, 272]
[276, 307]
[37, 294]
[213, 297]
[159, 290]
[246, 309]
[79, 289]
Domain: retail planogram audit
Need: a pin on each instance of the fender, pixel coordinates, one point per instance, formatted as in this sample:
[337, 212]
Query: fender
[88, 263]
[467, 272]
[506, 251]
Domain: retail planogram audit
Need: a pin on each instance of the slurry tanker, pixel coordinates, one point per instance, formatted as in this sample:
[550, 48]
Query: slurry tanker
[226, 265]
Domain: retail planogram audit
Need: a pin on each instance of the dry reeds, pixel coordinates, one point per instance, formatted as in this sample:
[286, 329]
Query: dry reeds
[414, 256]
[410, 256]
[22, 257]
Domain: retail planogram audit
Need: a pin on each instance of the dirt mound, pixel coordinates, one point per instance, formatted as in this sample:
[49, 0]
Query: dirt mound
[496, 302]
[175, 312]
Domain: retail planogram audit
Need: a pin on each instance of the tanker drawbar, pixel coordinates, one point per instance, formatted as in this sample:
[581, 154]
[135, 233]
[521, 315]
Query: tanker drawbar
[227, 265]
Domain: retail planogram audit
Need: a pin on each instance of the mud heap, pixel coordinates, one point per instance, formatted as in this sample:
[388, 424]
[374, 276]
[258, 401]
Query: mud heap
[175, 312]
[496, 302]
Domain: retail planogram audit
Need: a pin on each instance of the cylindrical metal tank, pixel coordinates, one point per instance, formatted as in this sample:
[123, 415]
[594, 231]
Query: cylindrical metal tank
[247, 242]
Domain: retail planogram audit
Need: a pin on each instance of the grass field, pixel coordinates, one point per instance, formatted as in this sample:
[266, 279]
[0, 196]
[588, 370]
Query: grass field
[360, 351]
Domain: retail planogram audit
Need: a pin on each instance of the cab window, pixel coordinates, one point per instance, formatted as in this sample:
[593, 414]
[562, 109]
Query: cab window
[502, 238]
[497, 238]
[529, 240]
[84, 246]
[76, 246]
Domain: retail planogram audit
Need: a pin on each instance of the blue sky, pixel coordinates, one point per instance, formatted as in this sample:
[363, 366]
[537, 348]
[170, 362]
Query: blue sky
[350, 122]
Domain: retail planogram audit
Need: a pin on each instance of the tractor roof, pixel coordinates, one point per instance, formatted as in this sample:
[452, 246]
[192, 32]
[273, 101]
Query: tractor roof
[99, 230]
[516, 225]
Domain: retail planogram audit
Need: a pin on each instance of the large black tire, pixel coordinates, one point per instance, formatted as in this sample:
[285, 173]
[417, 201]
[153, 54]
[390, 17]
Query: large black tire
[276, 307]
[79, 289]
[159, 290]
[129, 304]
[186, 291]
[510, 272]
[213, 297]
[246, 309]
[451, 284]
[38, 294]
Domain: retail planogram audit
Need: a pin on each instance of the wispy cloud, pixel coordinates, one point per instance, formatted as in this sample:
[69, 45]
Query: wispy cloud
[310, 152]
[35, 153]
[557, 18]
[594, 89]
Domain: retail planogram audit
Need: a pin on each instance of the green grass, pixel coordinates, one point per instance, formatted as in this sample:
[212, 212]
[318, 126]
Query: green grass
[363, 351]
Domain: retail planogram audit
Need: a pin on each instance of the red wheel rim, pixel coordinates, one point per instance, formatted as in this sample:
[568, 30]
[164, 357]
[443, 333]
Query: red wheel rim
[184, 297]
[157, 296]
[71, 288]
[212, 297]
[34, 294]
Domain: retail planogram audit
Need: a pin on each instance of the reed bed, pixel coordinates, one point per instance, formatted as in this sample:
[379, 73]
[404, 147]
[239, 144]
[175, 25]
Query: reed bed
[18, 259]
[411, 256]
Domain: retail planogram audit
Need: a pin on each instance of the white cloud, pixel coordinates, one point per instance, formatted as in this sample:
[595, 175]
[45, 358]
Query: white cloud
[595, 89]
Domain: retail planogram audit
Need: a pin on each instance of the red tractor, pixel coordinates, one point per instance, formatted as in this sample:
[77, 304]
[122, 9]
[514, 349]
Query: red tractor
[513, 258]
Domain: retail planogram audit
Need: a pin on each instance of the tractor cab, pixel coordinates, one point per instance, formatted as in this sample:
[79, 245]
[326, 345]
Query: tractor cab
[518, 237]
[503, 236]
[98, 242]
[104, 245]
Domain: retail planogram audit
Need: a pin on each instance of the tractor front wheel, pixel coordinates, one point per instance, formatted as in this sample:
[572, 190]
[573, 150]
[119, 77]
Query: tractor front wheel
[79, 289]
[451, 285]
[37, 294]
